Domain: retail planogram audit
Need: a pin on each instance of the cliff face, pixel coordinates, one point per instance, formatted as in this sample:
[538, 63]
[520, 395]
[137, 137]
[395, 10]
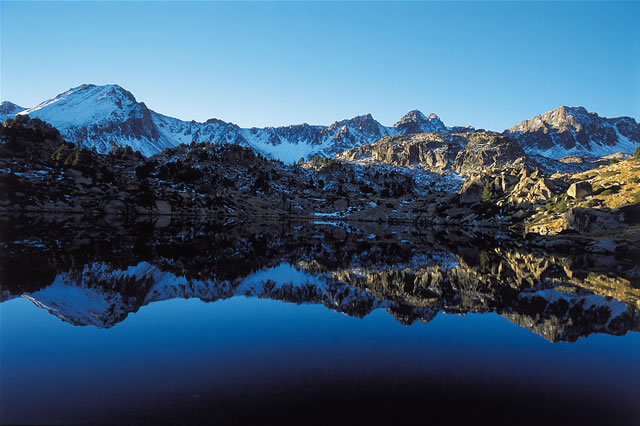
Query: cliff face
[466, 154]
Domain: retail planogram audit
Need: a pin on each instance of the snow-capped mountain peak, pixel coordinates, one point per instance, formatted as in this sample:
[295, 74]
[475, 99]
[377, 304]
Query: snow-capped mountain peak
[72, 106]
[101, 117]
[576, 131]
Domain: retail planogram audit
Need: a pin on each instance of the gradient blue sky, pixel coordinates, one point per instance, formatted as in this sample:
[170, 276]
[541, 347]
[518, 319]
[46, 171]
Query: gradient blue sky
[487, 64]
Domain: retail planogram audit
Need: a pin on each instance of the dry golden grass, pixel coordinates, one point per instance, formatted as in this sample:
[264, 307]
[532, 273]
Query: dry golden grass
[618, 184]
[614, 185]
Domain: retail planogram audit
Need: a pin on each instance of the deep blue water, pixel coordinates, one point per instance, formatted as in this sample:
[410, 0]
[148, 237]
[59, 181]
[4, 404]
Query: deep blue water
[310, 323]
[182, 351]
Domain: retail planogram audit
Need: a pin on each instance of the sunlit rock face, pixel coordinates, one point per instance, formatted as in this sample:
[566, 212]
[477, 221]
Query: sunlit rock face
[466, 153]
[576, 131]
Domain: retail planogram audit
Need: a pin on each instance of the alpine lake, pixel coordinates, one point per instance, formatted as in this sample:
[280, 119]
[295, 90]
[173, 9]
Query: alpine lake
[310, 322]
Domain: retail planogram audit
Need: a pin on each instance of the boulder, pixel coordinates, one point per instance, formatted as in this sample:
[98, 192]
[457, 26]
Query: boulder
[579, 190]
[589, 220]
[602, 246]
[114, 207]
[133, 187]
[558, 244]
[520, 214]
[79, 177]
[162, 207]
[472, 193]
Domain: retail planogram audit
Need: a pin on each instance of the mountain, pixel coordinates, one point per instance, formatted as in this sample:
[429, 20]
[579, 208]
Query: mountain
[576, 131]
[104, 116]
[9, 110]
[416, 122]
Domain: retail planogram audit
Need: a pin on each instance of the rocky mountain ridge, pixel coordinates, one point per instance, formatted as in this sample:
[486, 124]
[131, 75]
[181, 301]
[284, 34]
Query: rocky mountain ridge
[475, 152]
[465, 153]
[575, 131]
[107, 116]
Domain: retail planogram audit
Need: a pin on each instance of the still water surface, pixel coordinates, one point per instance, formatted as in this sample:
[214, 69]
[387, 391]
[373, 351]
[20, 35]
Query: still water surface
[324, 325]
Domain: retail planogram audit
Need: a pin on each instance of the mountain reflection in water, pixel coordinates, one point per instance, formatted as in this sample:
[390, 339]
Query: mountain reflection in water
[98, 275]
[412, 273]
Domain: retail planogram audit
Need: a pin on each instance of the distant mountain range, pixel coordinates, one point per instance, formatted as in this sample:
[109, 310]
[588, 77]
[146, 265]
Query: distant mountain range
[104, 116]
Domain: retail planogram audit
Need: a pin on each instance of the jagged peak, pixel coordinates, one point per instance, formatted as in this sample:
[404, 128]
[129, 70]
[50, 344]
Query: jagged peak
[364, 117]
[214, 121]
[572, 109]
[419, 117]
[7, 107]
[566, 111]
[358, 119]
[562, 115]
[581, 114]
[413, 115]
[88, 104]
[416, 122]
[8, 104]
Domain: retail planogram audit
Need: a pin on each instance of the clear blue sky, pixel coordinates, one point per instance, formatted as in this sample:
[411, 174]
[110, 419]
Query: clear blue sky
[490, 65]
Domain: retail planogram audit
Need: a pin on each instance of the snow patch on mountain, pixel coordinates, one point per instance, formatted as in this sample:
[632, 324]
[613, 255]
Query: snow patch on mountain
[284, 150]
